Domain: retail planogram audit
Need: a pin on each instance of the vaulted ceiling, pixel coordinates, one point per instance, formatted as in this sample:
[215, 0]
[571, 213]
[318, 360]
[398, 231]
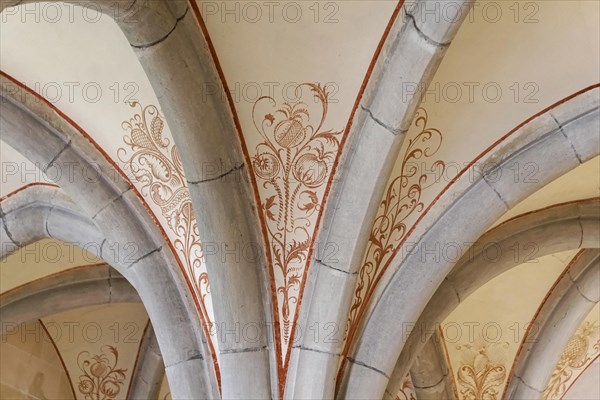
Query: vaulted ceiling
[281, 195]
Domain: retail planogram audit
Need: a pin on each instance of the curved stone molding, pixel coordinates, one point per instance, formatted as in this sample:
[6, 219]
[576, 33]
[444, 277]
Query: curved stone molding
[163, 33]
[217, 172]
[552, 139]
[144, 23]
[43, 211]
[85, 286]
[522, 239]
[149, 369]
[569, 302]
[134, 245]
[75, 288]
[430, 372]
[378, 128]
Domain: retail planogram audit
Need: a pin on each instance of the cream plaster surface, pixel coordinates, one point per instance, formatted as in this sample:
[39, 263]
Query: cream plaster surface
[95, 89]
[316, 43]
[40, 259]
[164, 392]
[30, 367]
[17, 171]
[576, 375]
[494, 319]
[484, 88]
[107, 334]
[581, 183]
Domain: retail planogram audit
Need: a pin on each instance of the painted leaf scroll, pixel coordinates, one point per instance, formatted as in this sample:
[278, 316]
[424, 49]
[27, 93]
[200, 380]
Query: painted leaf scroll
[292, 164]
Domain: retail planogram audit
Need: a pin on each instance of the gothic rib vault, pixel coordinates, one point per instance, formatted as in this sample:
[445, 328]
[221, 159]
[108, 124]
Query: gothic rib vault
[299, 200]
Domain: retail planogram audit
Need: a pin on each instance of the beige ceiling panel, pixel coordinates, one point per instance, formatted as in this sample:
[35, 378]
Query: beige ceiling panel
[99, 346]
[30, 367]
[483, 334]
[581, 183]
[103, 88]
[40, 259]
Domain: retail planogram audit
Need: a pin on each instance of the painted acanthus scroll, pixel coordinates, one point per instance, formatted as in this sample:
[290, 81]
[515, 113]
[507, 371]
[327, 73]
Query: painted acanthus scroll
[292, 164]
[153, 161]
[401, 204]
[482, 371]
[580, 351]
[100, 378]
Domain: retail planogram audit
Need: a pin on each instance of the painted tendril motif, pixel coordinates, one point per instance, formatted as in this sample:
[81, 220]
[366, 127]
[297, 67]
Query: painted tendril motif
[153, 161]
[400, 206]
[579, 352]
[292, 163]
[482, 370]
[100, 378]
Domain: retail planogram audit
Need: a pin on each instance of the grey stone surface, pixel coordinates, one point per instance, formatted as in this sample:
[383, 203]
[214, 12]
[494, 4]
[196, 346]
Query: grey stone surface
[560, 316]
[577, 132]
[322, 331]
[193, 101]
[576, 128]
[151, 279]
[27, 224]
[418, 270]
[17, 122]
[386, 111]
[155, 274]
[144, 23]
[192, 98]
[536, 234]
[397, 302]
[313, 374]
[233, 257]
[71, 227]
[394, 100]
[362, 180]
[233, 364]
[127, 231]
[178, 7]
[82, 287]
[430, 372]
[74, 168]
[190, 377]
[365, 382]
[438, 20]
[148, 375]
[539, 164]
[38, 211]
[174, 54]
[7, 245]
